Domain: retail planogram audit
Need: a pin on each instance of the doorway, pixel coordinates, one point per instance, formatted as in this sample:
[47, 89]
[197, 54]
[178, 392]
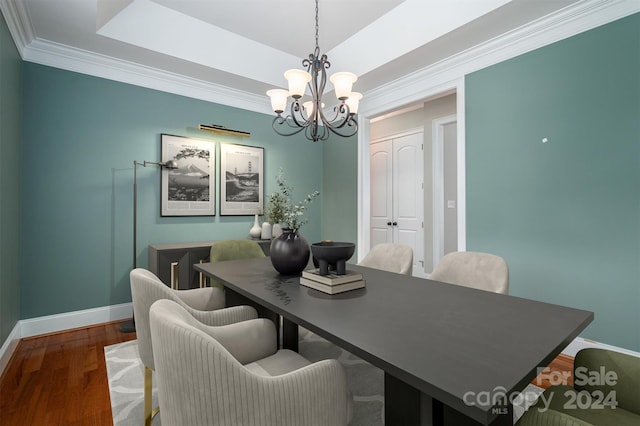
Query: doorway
[447, 216]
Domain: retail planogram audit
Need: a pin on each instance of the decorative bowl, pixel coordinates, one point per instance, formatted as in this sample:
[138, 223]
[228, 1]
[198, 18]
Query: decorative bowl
[332, 255]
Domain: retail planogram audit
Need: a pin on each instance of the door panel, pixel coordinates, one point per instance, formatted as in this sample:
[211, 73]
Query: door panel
[405, 157]
[407, 195]
[381, 205]
[408, 238]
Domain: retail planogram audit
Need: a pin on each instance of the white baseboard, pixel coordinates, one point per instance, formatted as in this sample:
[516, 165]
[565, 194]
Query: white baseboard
[66, 321]
[9, 346]
[582, 343]
[60, 322]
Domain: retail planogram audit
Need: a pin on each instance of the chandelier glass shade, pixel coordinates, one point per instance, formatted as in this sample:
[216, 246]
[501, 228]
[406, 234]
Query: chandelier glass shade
[308, 115]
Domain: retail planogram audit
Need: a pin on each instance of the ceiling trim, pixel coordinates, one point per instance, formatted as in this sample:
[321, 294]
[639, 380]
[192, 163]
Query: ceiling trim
[68, 58]
[560, 25]
[19, 24]
[77, 60]
[565, 23]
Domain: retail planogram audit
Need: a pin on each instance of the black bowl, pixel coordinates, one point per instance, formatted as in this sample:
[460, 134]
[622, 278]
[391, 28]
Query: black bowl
[332, 254]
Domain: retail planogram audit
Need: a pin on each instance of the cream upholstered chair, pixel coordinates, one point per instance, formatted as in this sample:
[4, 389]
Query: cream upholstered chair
[233, 250]
[205, 304]
[390, 257]
[234, 375]
[482, 271]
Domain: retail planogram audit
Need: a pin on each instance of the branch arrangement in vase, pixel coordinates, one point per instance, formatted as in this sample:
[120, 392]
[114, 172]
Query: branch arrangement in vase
[280, 208]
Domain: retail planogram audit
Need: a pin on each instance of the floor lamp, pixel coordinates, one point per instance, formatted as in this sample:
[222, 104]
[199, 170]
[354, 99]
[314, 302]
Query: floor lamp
[130, 326]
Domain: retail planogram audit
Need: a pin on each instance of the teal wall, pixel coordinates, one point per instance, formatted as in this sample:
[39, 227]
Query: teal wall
[10, 157]
[565, 214]
[340, 183]
[80, 140]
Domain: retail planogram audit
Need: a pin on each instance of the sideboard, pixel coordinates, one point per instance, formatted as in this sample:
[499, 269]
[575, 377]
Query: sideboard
[173, 262]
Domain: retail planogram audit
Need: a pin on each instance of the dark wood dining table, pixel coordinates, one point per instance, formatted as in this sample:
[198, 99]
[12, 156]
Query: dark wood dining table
[450, 354]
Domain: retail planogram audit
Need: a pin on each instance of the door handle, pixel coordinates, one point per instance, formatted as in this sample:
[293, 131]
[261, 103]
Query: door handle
[388, 223]
[395, 223]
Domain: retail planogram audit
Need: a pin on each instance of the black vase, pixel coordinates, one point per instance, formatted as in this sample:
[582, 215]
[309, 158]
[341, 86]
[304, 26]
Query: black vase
[289, 253]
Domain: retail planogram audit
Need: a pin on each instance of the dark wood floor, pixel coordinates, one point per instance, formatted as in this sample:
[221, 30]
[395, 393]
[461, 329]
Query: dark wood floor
[61, 378]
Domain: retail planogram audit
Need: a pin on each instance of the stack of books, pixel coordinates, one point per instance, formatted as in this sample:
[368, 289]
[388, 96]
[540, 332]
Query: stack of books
[332, 283]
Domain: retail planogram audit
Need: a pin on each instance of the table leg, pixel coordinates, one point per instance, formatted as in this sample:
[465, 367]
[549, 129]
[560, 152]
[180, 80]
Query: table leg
[289, 335]
[406, 405]
[233, 298]
[401, 402]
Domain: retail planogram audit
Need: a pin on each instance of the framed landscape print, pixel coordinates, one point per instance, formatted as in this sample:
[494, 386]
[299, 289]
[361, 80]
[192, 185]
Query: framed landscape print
[188, 190]
[241, 179]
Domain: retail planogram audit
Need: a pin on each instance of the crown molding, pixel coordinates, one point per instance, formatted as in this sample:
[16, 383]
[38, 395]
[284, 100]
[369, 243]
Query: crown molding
[560, 25]
[565, 23]
[77, 60]
[68, 58]
[18, 22]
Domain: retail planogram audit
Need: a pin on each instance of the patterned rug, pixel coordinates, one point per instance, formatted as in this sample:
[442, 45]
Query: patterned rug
[125, 373]
[126, 379]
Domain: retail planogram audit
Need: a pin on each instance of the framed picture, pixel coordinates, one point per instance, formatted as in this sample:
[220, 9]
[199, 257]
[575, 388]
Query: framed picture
[188, 190]
[241, 179]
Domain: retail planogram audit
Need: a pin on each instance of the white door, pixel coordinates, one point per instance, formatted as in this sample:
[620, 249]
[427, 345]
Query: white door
[397, 194]
[381, 192]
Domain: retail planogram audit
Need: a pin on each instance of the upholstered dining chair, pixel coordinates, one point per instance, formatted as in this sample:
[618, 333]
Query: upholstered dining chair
[390, 257]
[235, 375]
[205, 304]
[233, 250]
[482, 271]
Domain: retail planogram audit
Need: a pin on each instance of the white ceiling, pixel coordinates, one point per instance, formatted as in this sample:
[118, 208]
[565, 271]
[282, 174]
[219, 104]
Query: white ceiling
[245, 45]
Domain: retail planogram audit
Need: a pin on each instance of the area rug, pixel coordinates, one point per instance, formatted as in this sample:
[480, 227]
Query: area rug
[126, 380]
[125, 373]
[126, 384]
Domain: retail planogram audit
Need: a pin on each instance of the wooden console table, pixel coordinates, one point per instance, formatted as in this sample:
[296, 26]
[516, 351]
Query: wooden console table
[173, 262]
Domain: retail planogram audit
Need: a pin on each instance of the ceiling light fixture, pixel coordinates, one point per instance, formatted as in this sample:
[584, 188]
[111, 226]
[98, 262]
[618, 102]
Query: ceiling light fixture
[309, 116]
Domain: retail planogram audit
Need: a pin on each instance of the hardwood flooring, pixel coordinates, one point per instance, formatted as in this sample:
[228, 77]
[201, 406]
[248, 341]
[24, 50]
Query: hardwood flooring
[559, 370]
[61, 378]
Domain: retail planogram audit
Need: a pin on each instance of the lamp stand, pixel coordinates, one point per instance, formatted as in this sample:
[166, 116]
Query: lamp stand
[129, 326]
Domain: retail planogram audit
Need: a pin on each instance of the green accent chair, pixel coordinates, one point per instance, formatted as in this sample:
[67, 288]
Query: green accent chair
[606, 392]
[233, 250]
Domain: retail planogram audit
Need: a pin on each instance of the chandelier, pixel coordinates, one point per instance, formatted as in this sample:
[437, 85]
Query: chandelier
[309, 115]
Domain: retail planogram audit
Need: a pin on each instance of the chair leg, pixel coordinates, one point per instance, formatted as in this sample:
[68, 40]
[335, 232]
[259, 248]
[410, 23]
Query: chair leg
[148, 397]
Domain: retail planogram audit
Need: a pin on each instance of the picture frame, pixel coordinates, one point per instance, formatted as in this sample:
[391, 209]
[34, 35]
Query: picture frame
[241, 180]
[188, 190]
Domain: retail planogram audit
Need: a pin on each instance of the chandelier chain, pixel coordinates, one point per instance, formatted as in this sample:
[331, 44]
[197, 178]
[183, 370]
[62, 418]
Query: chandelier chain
[317, 25]
[317, 51]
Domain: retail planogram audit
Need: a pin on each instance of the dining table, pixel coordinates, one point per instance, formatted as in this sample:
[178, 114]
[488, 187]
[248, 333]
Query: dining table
[451, 355]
